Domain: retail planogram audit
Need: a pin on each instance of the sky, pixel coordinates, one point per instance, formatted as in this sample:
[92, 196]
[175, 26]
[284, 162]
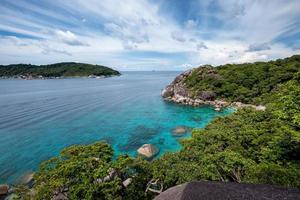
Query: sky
[148, 34]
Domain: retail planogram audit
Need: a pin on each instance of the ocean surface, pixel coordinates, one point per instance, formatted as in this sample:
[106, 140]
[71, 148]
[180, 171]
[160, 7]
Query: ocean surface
[38, 118]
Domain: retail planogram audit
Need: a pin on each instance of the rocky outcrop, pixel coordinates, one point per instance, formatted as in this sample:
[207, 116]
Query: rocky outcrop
[28, 179]
[178, 92]
[148, 151]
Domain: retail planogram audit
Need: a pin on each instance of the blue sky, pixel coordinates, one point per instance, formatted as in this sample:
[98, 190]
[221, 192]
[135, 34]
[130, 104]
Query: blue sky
[148, 34]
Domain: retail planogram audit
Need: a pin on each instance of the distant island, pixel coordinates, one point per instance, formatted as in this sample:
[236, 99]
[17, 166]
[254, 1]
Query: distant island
[57, 70]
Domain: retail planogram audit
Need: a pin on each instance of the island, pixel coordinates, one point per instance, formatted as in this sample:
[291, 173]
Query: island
[249, 148]
[57, 70]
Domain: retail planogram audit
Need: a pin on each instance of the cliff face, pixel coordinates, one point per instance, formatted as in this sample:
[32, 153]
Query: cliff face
[180, 91]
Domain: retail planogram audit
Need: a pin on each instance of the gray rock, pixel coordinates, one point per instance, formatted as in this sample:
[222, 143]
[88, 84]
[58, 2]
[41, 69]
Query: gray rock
[206, 95]
[181, 91]
[127, 182]
[27, 179]
[168, 92]
[148, 151]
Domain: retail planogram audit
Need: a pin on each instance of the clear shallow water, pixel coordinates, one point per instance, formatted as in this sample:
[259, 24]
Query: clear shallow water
[38, 118]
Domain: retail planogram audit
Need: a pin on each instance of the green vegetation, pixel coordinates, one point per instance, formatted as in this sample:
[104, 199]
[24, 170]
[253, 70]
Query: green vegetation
[79, 171]
[247, 146]
[243, 82]
[56, 70]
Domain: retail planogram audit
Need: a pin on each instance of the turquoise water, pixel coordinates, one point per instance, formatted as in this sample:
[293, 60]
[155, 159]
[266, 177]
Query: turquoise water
[38, 118]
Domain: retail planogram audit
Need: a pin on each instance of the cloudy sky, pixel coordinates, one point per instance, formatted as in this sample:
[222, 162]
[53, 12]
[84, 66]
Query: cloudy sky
[148, 34]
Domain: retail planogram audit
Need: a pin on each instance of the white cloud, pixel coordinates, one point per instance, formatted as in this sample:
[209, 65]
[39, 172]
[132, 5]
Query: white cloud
[178, 36]
[69, 38]
[259, 47]
[201, 46]
[100, 30]
[190, 24]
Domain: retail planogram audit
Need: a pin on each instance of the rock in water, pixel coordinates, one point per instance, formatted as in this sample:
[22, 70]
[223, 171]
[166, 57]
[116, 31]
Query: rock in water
[180, 130]
[4, 189]
[27, 179]
[148, 151]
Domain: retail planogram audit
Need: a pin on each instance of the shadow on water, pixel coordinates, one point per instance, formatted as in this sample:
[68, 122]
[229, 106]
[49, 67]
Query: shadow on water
[140, 135]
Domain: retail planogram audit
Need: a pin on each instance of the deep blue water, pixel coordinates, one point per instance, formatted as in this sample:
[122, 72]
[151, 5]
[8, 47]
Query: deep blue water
[38, 118]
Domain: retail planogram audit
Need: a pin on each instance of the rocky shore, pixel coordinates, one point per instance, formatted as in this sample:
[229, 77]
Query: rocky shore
[33, 77]
[178, 92]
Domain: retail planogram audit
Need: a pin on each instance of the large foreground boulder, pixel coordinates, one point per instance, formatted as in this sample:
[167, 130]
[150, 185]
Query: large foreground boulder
[148, 151]
[210, 190]
[4, 189]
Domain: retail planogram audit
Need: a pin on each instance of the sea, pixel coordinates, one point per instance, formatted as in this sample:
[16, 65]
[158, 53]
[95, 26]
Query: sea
[38, 118]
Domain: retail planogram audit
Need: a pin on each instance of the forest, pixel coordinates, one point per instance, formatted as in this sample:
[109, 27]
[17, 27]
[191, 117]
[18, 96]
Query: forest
[67, 69]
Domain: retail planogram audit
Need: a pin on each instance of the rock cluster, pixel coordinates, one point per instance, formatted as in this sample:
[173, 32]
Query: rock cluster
[178, 92]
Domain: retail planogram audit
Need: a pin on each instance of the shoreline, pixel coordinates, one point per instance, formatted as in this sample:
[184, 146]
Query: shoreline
[22, 77]
[178, 92]
[217, 104]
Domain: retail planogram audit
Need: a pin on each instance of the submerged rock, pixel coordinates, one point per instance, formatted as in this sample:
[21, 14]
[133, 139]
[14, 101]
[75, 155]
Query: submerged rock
[4, 188]
[148, 151]
[181, 130]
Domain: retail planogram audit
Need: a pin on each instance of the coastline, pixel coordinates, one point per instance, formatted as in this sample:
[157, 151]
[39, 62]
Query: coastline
[217, 104]
[23, 77]
[178, 92]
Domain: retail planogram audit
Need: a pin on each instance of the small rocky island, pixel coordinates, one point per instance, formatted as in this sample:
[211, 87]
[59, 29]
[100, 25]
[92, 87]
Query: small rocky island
[58, 70]
[180, 90]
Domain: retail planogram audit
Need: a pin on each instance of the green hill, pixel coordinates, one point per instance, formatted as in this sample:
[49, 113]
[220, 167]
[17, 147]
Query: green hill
[68, 69]
[243, 82]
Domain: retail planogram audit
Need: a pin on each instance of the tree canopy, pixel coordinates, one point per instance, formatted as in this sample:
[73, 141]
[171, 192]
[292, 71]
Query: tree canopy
[68, 69]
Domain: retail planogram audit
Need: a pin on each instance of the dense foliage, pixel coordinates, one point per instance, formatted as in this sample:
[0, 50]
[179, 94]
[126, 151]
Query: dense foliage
[79, 171]
[243, 82]
[247, 146]
[56, 70]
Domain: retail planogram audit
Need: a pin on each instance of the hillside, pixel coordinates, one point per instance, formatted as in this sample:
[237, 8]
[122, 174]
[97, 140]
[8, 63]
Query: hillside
[69, 69]
[249, 146]
[247, 83]
[243, 82]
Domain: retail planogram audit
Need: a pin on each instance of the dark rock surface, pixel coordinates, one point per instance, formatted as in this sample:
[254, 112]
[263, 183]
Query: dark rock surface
[206, 95]
[209, 190]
